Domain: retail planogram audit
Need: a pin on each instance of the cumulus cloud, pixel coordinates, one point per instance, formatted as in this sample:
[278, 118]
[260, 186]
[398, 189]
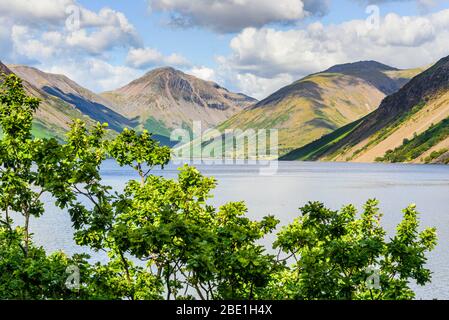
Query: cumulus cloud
[204, 73]
[93, 73]
[260, 87]
[399, 41]
[48, 11]
[226, 16]
[143, 58]
[27, 46]
[103, 31]
[43, 24]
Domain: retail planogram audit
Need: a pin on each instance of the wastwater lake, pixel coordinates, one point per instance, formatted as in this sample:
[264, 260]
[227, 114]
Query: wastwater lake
[294, 184]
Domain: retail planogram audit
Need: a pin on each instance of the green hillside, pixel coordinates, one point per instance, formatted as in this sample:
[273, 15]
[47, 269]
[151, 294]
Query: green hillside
[409, 126]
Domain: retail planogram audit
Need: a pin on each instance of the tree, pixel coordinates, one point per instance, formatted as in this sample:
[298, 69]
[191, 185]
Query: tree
[186, 245]
[27, 171]
[34, 275]
[339, 256]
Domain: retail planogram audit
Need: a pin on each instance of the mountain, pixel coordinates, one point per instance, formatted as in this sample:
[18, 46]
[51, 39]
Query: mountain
[165, 99]
[61, 87]
[54, 116]
[321, 103]
[411, 125]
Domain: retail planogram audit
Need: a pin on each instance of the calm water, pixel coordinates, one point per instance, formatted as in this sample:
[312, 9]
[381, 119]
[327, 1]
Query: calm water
[336, 184]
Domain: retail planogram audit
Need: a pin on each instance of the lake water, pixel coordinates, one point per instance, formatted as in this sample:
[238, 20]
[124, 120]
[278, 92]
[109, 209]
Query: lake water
[296, 183]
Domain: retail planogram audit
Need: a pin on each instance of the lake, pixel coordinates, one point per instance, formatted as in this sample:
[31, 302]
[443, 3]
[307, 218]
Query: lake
[296, 183]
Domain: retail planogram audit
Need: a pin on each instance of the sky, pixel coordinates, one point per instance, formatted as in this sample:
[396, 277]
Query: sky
[249, 46]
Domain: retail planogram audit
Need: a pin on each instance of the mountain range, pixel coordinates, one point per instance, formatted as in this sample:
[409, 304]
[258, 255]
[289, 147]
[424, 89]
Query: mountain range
[411, 125]
[61, 88]
[160, 101]
[321, 103]
[363, 111]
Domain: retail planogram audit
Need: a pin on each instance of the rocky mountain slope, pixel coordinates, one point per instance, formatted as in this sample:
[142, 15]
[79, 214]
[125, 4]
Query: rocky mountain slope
[321, 103]
[61, 87]
[165, 99]
[54, 116]
[411, 125]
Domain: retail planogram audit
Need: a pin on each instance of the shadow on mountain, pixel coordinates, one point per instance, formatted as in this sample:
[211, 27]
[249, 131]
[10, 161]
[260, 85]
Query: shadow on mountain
[372, 72]
[94, 110]
[164, 141]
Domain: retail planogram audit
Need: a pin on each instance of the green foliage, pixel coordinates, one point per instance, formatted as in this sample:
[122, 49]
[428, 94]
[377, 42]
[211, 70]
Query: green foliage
[36, 276]
[337, 253]
[163, 238]
[435, 155]
[21, 184]
[186, 244]
[412, 149]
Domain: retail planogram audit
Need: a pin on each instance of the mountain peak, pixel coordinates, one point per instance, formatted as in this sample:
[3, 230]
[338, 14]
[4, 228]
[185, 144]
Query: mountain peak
[166, 72]
[158, 76]
[360, 66]
[424, 85]
[441, 66]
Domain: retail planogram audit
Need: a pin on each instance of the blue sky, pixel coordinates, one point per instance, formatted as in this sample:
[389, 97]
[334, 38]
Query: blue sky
[201, 46]
[251, 46]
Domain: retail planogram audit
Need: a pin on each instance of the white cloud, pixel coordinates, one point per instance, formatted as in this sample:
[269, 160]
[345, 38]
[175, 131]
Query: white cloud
[110, 29]
[25, 45]
[99, 41]
[234, 15]
[143, 58]
[52, 11]
[204, 73]
[402, 42]
[41, 25]
[94, 73]
[259, 87]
